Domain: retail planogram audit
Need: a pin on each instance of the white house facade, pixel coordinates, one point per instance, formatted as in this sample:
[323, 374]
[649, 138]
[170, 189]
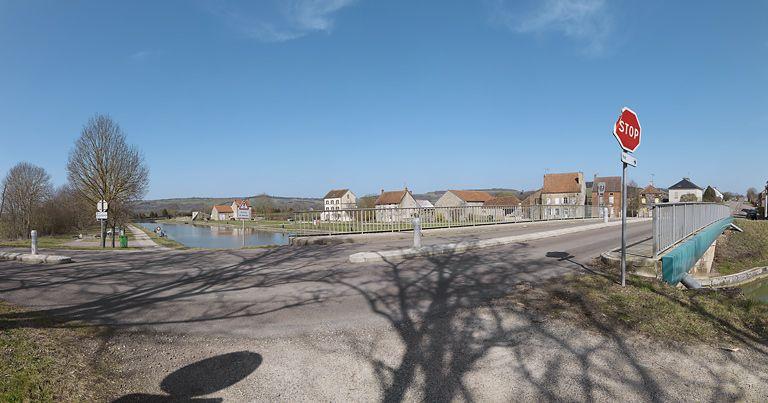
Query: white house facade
[682, 188]
[336, 202]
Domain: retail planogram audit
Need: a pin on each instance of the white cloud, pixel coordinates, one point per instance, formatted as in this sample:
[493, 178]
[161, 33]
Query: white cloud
[141, 55]
[584, 21]
[282, 20]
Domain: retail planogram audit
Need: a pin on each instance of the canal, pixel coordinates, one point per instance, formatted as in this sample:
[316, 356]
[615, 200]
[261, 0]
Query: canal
[218, 237]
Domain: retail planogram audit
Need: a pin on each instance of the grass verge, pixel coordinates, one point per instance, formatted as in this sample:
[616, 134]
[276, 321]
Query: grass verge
[40, 362]
[649, 307]
[739, 251]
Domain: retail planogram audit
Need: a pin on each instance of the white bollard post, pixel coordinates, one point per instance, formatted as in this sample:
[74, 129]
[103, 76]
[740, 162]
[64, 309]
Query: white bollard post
[417, 233]
[34, 242]
[605, 214]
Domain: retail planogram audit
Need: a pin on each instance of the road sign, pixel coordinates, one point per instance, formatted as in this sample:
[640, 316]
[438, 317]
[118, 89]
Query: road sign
[627, 130]
[601, 188]
[628, 159]
[102, 205]
[101, 215]
[243, 212]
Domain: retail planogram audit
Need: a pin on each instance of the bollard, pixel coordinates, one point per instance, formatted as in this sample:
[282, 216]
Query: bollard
[417, 233]
[34, 242]
[605, 214]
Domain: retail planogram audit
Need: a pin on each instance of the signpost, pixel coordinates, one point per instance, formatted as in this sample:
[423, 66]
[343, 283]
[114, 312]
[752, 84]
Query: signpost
[627, 132]
[101, 215]
[243, 213]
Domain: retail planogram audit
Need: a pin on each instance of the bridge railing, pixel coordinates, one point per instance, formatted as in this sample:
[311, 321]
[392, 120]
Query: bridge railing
[673, 222]
[368, 220]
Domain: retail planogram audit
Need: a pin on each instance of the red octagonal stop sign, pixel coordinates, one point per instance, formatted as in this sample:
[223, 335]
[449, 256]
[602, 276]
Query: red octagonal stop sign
[627, 130]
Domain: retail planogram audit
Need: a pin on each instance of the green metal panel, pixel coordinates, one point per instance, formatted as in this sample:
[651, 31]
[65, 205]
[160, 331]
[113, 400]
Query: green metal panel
[676, 263]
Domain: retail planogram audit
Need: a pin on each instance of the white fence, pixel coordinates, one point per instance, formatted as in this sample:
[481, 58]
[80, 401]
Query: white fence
[350, 221]
[673, 222]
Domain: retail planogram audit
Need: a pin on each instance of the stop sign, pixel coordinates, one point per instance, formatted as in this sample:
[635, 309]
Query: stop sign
[627, 130]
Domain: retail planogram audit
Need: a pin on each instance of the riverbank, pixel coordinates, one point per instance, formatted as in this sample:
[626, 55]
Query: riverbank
[162, 241]
[739, 251]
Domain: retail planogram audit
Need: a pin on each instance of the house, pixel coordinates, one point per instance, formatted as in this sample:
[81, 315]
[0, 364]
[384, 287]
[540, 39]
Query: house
[682, 188]
[334, 204]
[226, 212]
[503, 208]
[463, 198]
[712, 191]
[396, 206]
[611, 197]
[564, 195]
[649, 197]
[222, 213]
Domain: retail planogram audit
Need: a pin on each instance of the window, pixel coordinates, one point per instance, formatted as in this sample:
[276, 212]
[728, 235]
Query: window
[565, 200]
[327, 201]
[610, 199]
[548, 201]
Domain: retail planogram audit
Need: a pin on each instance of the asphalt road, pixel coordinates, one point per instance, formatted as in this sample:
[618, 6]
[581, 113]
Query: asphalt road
[303, 324]
[280, 291]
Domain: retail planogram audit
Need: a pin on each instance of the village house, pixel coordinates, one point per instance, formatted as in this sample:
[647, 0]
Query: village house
[467, 199]
[649, 197]
[611, 197]
[225, 212]
[334, 204]
[564, 195]
[503, 208]
[682, 188]
[389, 206]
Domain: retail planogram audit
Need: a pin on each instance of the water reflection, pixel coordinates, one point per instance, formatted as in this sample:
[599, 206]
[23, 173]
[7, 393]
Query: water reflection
[757, 290]
[218, 237]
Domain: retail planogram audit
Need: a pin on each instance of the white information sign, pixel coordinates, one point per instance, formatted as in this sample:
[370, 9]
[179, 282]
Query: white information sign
[101, 215]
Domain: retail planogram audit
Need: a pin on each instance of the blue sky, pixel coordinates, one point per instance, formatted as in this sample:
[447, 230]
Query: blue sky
[296, 97]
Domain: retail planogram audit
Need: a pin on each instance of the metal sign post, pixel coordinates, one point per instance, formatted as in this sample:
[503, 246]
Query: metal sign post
[243, 213]
[101, 215]
[627, 132]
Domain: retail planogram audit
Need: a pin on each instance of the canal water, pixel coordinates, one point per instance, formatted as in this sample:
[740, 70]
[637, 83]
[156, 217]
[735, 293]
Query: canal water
[757, 290]
[217, 237]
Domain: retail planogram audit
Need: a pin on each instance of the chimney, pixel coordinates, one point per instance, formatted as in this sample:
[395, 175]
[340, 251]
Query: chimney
[382, 191]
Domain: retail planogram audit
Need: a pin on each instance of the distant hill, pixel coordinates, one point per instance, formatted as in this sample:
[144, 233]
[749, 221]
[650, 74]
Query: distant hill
[204, 204]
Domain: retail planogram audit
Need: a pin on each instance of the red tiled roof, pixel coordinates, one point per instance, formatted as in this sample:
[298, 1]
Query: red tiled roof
[561, 183]
[650, 189]
[472, 195]
[240, 201]
[393, 197]
[223, 209]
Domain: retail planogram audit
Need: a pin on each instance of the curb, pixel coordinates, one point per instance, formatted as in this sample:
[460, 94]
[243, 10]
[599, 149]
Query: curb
[732, 280]
[432, 250]
[639, 266]
[29, 258]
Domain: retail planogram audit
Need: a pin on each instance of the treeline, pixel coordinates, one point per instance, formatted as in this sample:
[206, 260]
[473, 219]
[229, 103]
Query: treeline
[101, 166]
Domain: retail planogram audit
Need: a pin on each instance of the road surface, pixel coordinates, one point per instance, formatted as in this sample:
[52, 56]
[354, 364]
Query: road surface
[303, 324]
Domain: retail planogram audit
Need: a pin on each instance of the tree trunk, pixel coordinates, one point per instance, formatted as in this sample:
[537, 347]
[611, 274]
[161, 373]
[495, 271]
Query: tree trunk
[113, 235]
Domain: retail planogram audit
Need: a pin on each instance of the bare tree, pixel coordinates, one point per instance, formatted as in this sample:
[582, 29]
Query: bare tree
[102, 166]
[26, 188]
[752, 195]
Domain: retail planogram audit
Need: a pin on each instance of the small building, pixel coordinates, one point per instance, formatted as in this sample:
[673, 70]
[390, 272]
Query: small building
[396, 206]
[222, 213]
[685, 187]
[564, 195]
[649, 197]
[611, 197]
[463, 198]
[334, 204]
[503, 208]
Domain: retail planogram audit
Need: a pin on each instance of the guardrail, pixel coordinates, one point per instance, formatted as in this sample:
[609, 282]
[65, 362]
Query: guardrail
[673, 222]
[361, 221]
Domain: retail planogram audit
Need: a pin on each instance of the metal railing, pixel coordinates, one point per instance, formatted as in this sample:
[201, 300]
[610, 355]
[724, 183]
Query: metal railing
[361, 221]
[673, 222]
